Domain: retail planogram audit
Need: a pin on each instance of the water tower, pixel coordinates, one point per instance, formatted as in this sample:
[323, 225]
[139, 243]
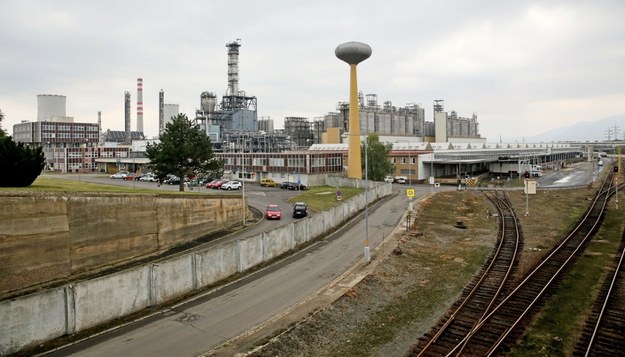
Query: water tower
[353, 53]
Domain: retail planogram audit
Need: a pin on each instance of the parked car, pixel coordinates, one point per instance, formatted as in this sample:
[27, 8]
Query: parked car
[210, 184]
[232, 185]
[172, 180]
[273, 212]
[130, 177]
[400, 179]
[285, 185]
[300, 210]
[296, 186]
[388, 179]
[267, 182]
[217, 185]
[148, 177]
[119, 175]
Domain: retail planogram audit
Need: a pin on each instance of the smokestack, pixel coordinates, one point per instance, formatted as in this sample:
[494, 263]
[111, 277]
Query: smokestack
[140, 104]
[99, 127]
[127, 115]
[233, 66]
[161, 112]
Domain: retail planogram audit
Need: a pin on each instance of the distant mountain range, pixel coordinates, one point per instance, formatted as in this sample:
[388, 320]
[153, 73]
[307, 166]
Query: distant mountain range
[581, 131]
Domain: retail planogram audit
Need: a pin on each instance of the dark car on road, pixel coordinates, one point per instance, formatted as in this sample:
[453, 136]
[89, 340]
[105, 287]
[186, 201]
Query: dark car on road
[300, 210]
[296, 186]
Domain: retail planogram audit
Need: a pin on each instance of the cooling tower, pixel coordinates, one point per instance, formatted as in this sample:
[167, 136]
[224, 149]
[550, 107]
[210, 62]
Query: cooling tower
[50, 106]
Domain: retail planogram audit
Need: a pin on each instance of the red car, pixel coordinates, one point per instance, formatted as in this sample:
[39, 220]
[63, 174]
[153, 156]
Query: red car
[217, 185]
[210, 184]
[273, 212]
[130, 177]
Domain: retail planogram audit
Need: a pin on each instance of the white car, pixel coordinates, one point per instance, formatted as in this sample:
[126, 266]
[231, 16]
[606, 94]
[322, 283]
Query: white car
[232, 185]
[119, 175]
[149, 178]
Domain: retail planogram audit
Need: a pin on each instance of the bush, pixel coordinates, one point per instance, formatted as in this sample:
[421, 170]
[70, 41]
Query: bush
[20, 164]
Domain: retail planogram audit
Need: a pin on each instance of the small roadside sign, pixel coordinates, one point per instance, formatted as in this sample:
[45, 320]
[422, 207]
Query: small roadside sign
[410, 192]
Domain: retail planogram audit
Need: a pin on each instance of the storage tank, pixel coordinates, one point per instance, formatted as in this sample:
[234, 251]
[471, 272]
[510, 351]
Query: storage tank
[208, 101]
[50, 105]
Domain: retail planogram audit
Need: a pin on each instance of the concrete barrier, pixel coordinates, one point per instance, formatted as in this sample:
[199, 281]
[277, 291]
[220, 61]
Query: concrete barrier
[32, 319]
[42, 316]
[109, 297]
[218, 263]
[173, 277]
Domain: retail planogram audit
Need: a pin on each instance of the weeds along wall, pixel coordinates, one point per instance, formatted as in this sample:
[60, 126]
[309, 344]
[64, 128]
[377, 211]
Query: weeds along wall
[43, 316]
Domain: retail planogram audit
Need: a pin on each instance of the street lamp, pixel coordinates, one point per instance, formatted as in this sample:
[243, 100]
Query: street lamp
[243, 179]
[367, 253]
[82, 164]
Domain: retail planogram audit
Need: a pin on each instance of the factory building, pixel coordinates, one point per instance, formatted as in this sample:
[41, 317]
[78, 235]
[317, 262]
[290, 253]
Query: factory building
[236, 112]
[450, 127]
[383, 120]
[64, 142]
[299, 131]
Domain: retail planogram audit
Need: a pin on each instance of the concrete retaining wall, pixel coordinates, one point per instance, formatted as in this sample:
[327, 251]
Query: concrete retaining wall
[47, 238]
[42, 316]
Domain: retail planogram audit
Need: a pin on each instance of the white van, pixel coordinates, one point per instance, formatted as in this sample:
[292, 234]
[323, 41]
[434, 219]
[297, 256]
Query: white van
[388, 179]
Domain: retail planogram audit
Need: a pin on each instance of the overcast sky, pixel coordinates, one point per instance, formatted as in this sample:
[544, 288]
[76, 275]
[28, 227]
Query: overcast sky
[524, 67]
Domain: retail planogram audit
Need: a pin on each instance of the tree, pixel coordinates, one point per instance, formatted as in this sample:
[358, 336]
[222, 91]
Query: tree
[20, 164]
[377, 155]
[2, 133]
[183, 150]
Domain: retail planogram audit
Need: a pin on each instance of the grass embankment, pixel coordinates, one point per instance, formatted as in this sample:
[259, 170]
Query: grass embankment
[321, 198]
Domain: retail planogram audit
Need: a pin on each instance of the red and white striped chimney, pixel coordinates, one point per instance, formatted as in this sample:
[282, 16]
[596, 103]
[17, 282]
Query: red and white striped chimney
[140, 104]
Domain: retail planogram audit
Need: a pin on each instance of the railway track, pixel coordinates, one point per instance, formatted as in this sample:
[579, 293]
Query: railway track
[500, 327]
[604, 331]
[481, 295]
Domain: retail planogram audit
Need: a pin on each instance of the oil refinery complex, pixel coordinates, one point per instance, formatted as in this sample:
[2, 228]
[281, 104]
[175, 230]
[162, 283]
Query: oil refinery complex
[448, 146]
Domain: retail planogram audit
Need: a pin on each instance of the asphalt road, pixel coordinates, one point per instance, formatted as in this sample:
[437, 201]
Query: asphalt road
[209, 320]
[578, 174]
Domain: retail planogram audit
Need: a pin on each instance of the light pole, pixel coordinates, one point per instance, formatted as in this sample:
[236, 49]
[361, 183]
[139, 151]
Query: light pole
[367, 253]
[243, 180]
[82, 164]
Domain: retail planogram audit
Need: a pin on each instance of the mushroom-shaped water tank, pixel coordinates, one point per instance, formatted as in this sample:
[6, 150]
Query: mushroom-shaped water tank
[353, 52]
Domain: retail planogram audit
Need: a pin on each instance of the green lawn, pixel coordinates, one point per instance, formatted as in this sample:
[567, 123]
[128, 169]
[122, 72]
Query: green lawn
[44, 183]
[317, 198]
[323, 197]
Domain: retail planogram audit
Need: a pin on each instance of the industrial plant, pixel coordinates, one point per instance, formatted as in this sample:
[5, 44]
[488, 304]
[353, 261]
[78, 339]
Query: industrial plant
[252, 148]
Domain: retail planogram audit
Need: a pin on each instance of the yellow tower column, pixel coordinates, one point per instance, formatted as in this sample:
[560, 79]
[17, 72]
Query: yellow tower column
[354, 165]
[353, 53]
